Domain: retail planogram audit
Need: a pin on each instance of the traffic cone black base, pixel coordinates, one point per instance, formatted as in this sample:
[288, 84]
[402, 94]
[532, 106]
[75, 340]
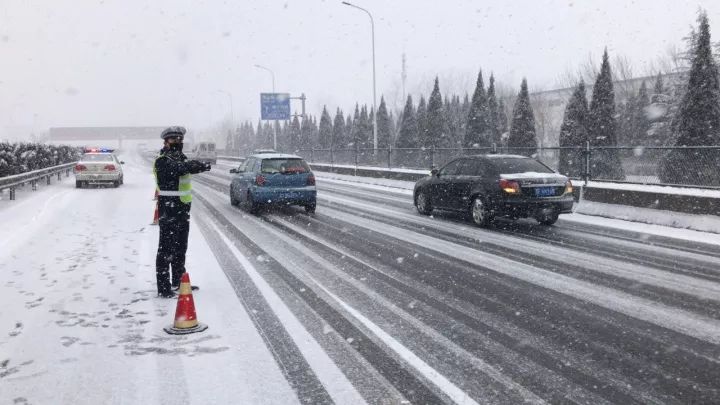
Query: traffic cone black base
[186, 331]
[185, 317]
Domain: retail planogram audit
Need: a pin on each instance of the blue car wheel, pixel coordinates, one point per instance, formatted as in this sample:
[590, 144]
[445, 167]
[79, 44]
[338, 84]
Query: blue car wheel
[310, 207]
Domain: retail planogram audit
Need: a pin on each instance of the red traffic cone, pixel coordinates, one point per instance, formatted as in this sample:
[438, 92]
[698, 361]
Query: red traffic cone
[185, 319]
[156, 216]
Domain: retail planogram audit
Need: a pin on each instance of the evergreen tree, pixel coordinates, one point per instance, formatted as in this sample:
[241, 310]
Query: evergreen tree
[522, 129]
[349, 131]
[698, 120]
[602, 127]
[365, 129]
[573, 133]
[325, 132]
[436, 132]
[394, 122]
[357, 128]
[314, 140]
[338, 140]
[476, 130]
[371, 135]
[268, 134]
[259, 136]
[305, 139]
[383, 125]
[251, 138]
[239, 138]
[421, 118]
[492, 106]
[453, 119]
[278, 127]
[502, 118]
[294, 134]
[408, 136]
[284, 141]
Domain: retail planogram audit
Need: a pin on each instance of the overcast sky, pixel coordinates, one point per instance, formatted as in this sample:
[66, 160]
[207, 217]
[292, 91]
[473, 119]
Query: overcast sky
[156, 62]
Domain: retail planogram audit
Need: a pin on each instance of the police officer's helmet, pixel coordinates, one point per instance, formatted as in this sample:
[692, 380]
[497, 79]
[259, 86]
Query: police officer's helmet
[173, 132]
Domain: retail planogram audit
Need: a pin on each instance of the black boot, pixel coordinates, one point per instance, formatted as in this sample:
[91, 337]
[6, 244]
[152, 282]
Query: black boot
[167, 294]
[192, 287]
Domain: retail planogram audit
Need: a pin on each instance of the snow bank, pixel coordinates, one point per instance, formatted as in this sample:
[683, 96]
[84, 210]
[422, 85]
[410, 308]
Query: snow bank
[703, 223]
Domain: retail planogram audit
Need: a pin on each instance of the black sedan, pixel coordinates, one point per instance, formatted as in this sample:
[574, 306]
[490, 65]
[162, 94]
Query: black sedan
[490, 186]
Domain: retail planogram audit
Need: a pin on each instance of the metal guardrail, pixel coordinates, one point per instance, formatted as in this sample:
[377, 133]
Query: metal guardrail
[687, 166]
[19, 180]
[232, 158]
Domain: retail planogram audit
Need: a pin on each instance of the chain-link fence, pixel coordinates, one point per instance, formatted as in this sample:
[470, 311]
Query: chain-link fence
[681, 166]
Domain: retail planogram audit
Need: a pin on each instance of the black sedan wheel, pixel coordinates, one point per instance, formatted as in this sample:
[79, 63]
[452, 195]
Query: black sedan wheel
[422, 203]
[480, 212]
[547, 218]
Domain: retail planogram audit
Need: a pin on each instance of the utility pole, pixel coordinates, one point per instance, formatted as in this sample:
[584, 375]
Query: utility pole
[302, 98]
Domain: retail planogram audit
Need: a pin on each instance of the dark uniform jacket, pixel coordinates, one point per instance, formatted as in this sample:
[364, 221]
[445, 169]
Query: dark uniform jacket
[169, 167]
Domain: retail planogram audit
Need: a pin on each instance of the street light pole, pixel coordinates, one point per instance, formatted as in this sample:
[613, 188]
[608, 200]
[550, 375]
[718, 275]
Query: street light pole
[272, 74]
[372, 26]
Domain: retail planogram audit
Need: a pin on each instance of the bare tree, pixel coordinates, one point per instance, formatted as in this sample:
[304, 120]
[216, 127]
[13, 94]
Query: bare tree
[623, 77]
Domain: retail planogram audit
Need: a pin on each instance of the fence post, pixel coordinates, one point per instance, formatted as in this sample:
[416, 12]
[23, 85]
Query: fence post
[34, 185]
[59, 176]
[312, 155]
[389, 151]
[586, 175]
[432, 156]
[332, 157]
[494, 147]
[12, 193]
[357, 151]
[48, 179]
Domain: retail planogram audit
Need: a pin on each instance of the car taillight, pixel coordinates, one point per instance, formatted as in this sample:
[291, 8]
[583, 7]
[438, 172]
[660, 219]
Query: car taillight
[568, 187]
[260, 180]
[110, 168]
[79, 167]
[311, 180]
[510, 186]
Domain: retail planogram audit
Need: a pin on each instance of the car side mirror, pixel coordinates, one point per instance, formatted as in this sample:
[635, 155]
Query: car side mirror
[435, 173]
[122, 162]
[235, 171]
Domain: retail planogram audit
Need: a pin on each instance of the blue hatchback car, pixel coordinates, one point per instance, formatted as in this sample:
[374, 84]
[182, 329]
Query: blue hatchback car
[273, 179]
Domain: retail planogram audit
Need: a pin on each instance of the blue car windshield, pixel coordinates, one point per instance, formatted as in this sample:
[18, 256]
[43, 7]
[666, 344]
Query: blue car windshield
[284, 166]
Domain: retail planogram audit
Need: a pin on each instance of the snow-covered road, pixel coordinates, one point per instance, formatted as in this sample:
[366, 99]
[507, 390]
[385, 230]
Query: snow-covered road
[365, 301]
[80, 323]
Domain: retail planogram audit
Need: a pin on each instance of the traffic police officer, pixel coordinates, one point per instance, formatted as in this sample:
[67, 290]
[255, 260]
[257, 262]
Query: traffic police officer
[172, 173]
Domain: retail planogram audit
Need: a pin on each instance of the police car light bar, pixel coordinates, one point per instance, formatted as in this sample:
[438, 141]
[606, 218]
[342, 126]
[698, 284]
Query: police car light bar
[99, 150]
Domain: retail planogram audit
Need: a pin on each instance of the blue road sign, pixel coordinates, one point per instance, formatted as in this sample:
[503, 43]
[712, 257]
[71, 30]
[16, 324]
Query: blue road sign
[275, 106]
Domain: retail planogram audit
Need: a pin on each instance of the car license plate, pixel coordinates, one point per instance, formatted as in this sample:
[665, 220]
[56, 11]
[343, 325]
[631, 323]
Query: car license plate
[545, 191]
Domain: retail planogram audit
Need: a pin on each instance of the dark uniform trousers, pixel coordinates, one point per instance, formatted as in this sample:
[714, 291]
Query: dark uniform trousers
[174, 230]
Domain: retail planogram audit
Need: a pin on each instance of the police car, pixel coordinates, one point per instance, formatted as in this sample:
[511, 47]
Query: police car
[98, 166]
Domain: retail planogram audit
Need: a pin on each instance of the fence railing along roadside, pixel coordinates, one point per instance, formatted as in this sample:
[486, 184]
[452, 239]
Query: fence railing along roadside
[689, 166]
[12, 183]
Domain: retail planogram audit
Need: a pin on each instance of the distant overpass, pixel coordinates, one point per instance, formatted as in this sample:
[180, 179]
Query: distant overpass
[60, 134]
